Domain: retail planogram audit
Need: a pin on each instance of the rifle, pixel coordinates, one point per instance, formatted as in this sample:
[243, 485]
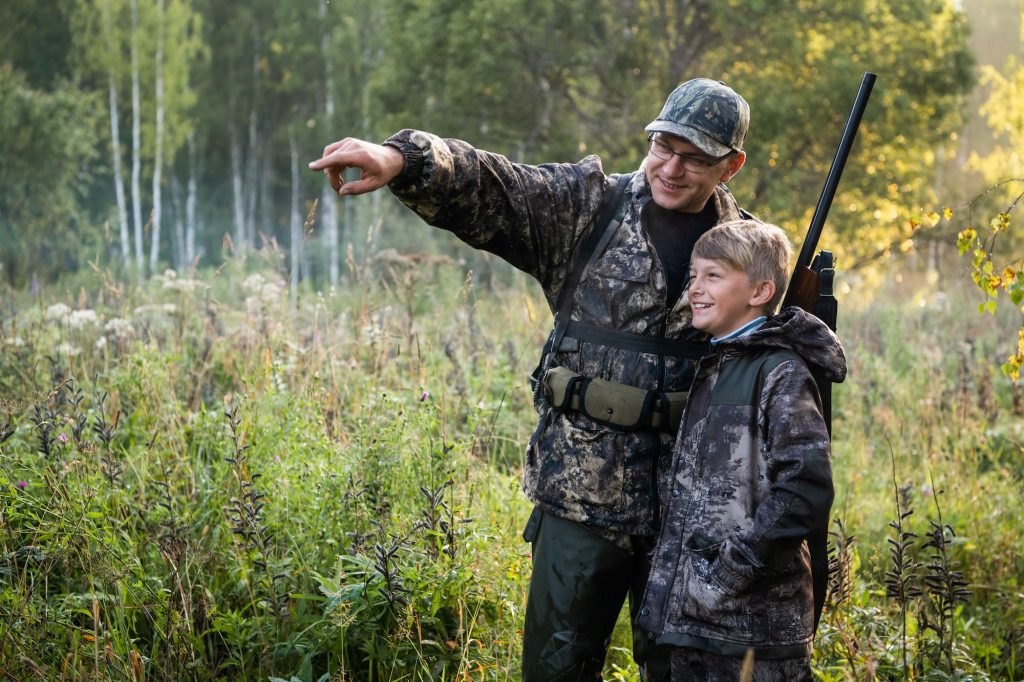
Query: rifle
[810, 288]
[805, 285]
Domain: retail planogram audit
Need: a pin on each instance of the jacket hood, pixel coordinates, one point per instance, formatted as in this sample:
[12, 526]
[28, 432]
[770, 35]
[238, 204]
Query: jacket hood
[805, 335]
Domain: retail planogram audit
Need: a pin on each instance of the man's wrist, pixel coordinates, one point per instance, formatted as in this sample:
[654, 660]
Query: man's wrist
[413, 159]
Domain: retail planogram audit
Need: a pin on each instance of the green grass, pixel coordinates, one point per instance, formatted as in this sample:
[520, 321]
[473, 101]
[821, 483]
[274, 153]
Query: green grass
[244, 486]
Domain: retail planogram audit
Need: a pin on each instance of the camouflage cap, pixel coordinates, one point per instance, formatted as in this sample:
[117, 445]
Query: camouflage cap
[708, 114]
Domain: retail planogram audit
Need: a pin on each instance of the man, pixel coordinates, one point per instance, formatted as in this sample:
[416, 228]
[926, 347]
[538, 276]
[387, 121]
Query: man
[624, 352]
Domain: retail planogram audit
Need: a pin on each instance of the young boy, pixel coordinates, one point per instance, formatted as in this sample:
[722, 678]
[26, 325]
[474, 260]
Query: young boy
[750, 474]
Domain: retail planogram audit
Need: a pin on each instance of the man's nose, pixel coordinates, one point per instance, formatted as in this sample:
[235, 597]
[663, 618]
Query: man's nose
[675, 165]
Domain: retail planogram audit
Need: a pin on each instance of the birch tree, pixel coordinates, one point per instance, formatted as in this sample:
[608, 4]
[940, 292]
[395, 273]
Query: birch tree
[115, 130]
[328, 203]
[136, 141]
[158, 156]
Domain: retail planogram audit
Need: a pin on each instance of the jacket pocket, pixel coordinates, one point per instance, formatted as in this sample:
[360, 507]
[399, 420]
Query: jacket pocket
[579, 462]
[622, 266]
[709, 606]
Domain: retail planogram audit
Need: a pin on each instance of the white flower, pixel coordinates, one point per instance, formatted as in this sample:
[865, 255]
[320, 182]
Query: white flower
[68, 350]
[253, 283]
[184, 285]
[81, 318]
[271, 292]
[122, 329]
[101, 343]
[156, 309]
[253, 307]
[57, 312]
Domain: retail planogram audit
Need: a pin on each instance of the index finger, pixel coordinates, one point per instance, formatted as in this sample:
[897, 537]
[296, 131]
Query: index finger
[334, 159]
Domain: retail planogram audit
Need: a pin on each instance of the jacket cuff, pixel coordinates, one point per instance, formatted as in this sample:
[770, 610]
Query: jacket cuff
[415, 159]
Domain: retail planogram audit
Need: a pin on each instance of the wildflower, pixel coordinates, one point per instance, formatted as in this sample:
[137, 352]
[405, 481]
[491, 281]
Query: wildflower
[22, 485]
[253, 282]
[101, 343]
[63, 438]
[424, 396]
[120, 327]
[271, 291]
[56, 312]
[68, 349]
[183, 284]
[81, 318]
[156, 309]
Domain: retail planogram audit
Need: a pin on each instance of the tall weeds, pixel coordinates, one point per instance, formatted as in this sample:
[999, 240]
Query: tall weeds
[202, 482]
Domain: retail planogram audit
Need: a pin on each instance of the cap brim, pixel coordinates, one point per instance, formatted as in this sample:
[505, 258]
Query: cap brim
[703, 142]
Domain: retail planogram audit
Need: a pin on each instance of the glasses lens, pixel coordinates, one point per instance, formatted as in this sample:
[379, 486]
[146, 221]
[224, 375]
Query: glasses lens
[692, 163]
[661, 150]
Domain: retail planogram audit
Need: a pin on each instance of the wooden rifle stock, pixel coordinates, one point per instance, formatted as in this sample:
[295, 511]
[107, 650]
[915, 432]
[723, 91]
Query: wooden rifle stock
[804, 285]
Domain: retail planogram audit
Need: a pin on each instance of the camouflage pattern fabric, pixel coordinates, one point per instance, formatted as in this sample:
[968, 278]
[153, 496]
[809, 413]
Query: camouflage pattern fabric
[532, 216]
[693, 665]
[750, 478]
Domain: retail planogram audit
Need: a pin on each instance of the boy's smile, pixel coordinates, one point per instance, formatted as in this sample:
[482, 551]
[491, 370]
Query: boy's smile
[722, 298]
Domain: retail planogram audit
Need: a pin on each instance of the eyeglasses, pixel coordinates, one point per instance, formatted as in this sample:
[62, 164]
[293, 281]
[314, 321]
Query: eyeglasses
[691, 162]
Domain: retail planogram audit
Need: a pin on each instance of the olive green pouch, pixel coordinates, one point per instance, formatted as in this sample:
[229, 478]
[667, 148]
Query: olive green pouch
[615, 404]
[560, 386]
[609, 402]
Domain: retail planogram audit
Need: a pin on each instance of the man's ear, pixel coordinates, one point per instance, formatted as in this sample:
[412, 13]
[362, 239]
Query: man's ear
[735, 163]
[763, 292]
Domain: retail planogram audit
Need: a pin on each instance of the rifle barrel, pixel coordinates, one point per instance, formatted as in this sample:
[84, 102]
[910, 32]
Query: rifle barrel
[835, 172]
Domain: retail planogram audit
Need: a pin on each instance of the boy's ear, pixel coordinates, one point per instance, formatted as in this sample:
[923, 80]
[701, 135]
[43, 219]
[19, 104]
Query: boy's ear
[763, 293]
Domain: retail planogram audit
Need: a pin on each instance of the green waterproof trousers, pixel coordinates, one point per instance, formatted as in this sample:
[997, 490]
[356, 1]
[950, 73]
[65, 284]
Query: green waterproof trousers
[577, 588]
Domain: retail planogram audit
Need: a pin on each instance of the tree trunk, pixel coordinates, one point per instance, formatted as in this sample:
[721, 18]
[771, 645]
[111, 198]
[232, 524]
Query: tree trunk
[238, 190]
[136, 145]
[115, 140]
[178, 201]
[154, 251]
[253, 165]
[295, 222]
[265, 221]
[328, 200]
[190, 204]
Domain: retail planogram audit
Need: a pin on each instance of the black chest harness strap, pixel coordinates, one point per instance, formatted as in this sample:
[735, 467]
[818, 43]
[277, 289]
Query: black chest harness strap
[615, 404]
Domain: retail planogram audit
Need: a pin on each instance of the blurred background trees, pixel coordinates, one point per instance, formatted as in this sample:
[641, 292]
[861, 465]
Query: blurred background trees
[146, 134]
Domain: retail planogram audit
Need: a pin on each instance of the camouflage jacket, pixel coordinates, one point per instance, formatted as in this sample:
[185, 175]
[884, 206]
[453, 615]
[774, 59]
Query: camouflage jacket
[750, 478]
[532, 217]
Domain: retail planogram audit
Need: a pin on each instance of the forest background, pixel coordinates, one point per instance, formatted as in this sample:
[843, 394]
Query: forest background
[174, 282]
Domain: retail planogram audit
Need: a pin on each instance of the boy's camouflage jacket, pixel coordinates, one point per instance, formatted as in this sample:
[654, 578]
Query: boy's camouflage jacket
[750, 478]
[532, 216]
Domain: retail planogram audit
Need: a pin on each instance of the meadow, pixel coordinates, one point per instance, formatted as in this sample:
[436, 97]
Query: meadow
[207, 478]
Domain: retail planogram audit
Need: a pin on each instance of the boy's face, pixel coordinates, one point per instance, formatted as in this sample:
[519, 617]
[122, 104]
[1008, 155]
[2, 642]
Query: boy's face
[724, 299]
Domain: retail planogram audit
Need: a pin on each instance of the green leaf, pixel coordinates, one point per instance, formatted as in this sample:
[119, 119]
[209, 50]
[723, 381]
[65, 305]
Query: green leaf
[1016, 292]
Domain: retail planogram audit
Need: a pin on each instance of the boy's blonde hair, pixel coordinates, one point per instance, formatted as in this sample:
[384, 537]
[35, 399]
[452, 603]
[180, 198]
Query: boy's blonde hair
[760, 250]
